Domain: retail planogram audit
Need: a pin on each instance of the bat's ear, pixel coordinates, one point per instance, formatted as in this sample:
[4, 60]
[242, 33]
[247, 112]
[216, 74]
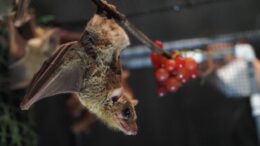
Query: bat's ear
[115, 94]
[134, 102]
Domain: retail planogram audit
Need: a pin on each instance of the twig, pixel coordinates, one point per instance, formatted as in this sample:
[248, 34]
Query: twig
[111, 11]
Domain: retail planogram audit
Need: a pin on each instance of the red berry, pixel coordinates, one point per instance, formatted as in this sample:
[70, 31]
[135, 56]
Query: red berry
[190, 64]
[180, 62]
[163, 61]
[194, 74]
[172, 84]
[174, 73]
[183, 74]
[170, 65]
[155, 60]
[171, 73]
[161, 74]
[161, 90]
[159, 44]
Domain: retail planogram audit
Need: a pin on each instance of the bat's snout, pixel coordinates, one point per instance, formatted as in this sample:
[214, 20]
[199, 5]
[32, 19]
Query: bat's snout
[129, 128]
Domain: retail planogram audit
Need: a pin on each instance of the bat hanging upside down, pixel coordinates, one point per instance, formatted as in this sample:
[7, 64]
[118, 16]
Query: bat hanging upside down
[90, 68]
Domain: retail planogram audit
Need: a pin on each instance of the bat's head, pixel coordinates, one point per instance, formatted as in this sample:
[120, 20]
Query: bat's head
[107, 33]
[119, 112]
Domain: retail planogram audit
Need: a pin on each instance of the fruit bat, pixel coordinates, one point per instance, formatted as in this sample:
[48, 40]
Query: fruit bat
[28, 50]
[36, 52]
[18, 8]
[90, 69]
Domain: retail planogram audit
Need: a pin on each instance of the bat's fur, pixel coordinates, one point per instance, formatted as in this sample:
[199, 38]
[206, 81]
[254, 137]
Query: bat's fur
[93, 70]
[109, 40]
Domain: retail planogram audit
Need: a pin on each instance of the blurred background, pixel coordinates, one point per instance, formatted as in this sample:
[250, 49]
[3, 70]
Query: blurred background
[200, 113]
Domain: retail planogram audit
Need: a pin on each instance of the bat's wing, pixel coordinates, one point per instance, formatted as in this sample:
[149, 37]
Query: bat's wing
[53, 78]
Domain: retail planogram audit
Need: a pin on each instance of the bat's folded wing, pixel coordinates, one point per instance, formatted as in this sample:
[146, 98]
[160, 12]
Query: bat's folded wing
[53, 78]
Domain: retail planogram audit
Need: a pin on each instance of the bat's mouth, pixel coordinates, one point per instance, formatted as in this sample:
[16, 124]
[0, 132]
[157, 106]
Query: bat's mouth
[128, 128]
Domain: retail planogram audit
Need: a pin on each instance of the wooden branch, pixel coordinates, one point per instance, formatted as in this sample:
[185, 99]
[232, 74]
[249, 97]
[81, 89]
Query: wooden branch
[104, 6]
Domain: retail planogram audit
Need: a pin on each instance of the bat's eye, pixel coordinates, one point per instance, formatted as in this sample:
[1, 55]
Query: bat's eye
[126, 113]
[114, 99]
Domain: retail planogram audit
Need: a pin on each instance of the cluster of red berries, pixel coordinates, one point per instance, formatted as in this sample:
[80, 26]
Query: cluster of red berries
[172, 73]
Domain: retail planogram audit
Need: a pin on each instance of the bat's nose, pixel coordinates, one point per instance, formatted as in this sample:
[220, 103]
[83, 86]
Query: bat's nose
[133, 129]
[129, 128]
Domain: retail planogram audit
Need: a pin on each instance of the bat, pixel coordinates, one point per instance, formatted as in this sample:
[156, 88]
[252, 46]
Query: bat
[18, 8]
[36, 51]
[90, 69]
[28, 50]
